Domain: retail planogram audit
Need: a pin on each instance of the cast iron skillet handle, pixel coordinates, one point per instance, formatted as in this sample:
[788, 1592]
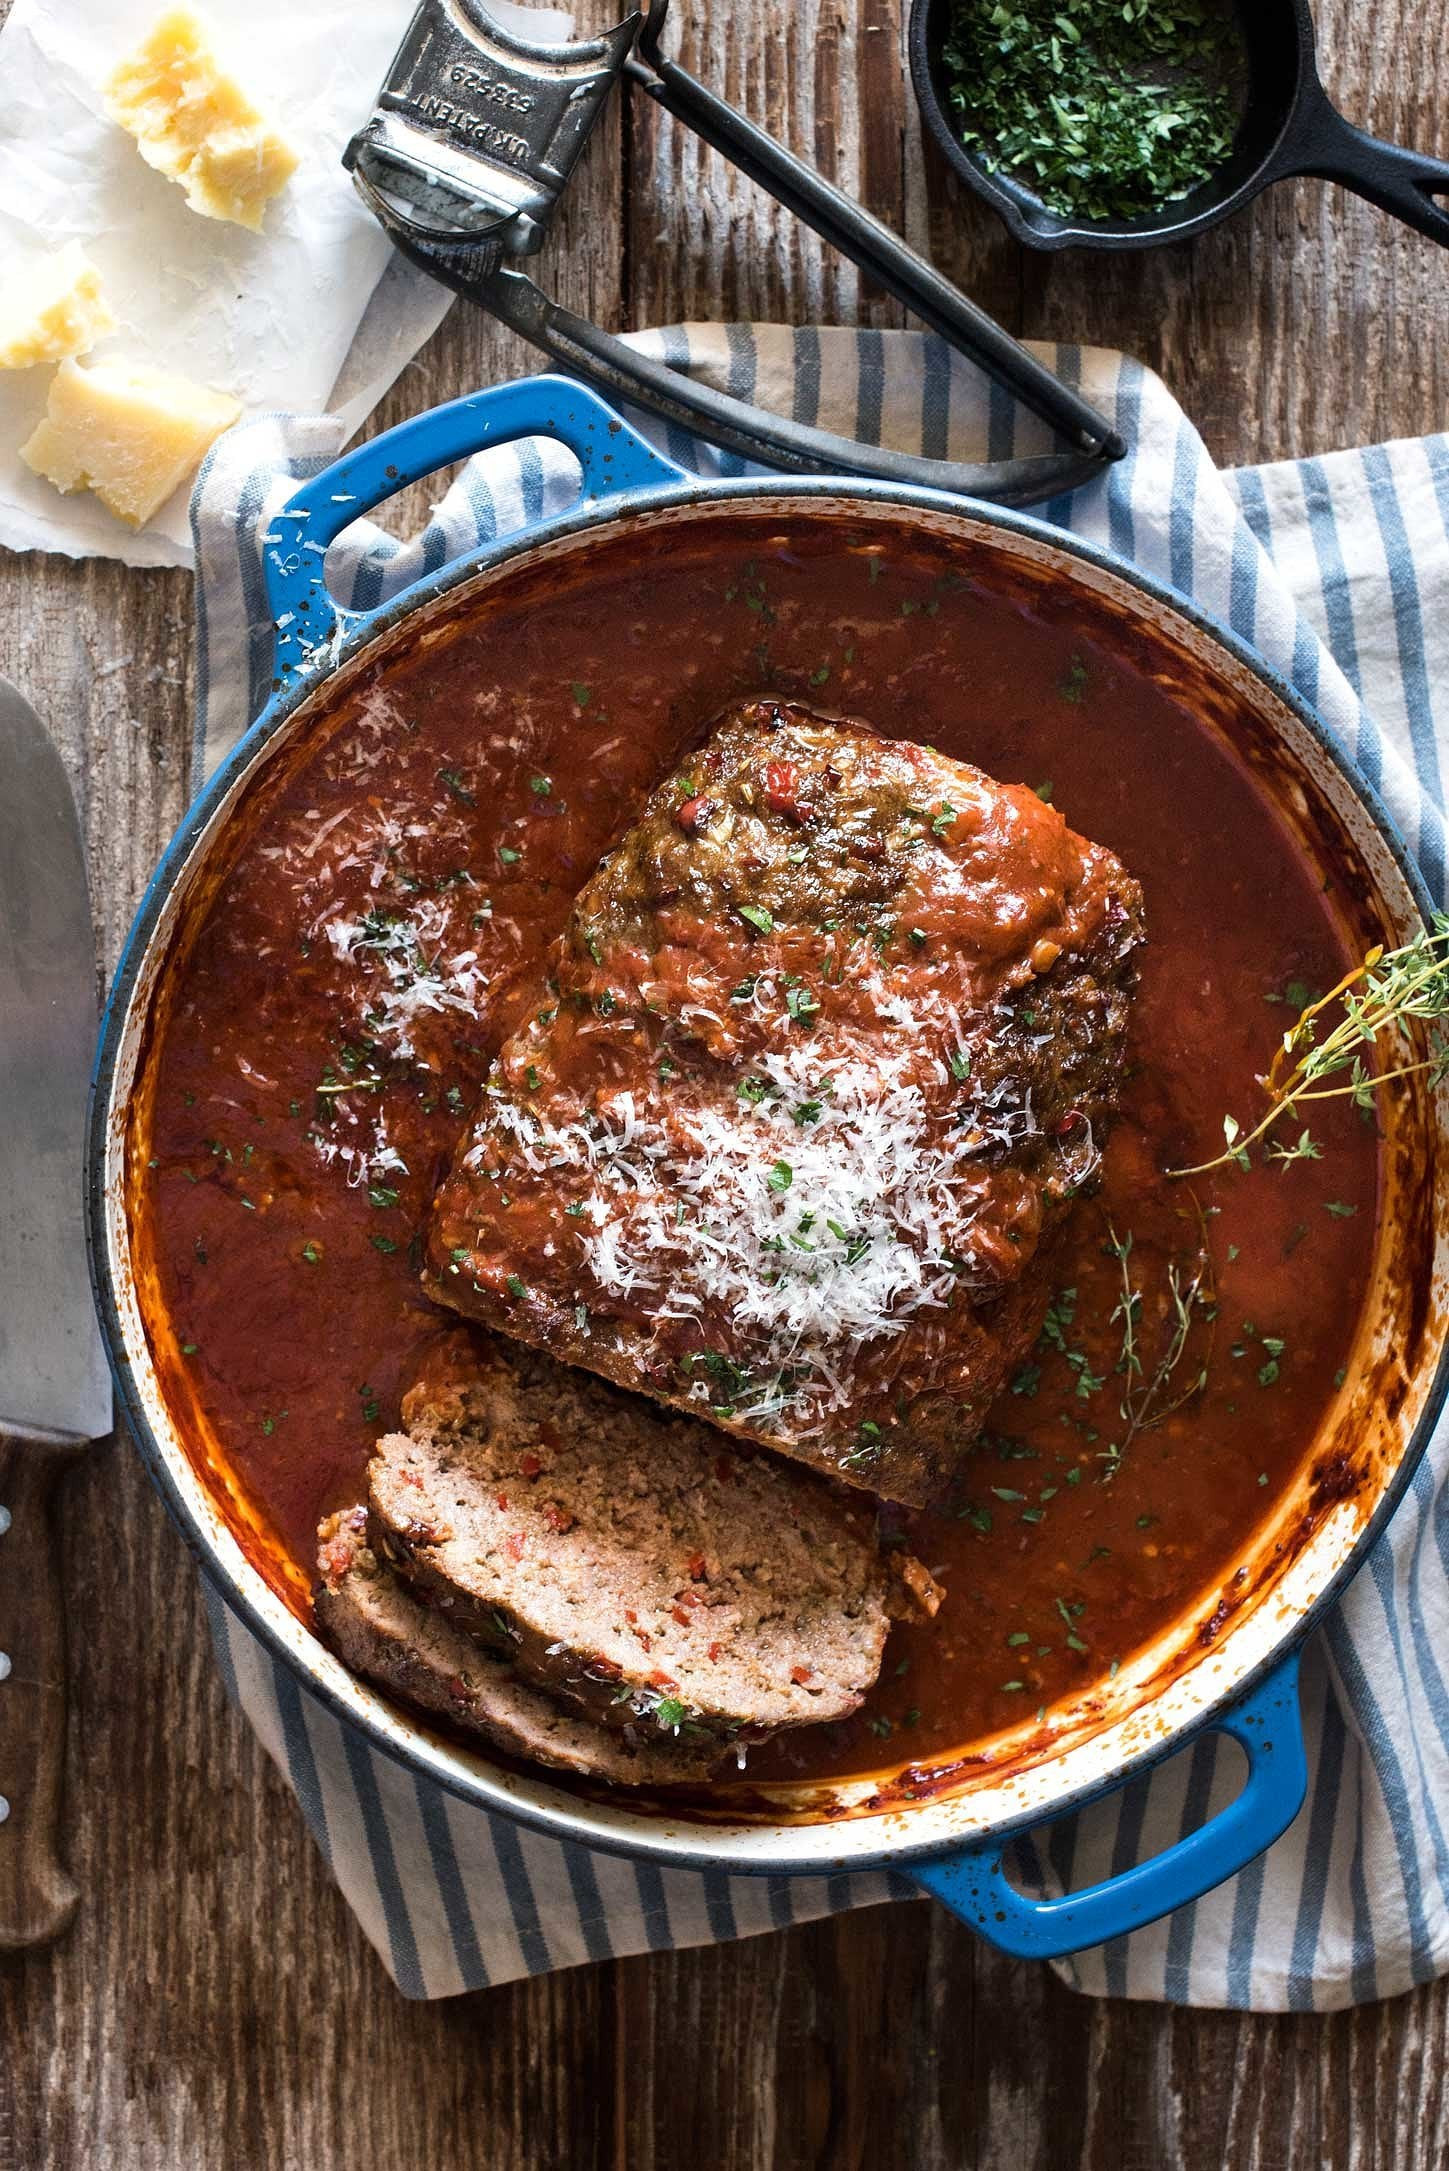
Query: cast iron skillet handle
[1321, 142]
[37, 1898]
[1267, 1722]
[612, 458]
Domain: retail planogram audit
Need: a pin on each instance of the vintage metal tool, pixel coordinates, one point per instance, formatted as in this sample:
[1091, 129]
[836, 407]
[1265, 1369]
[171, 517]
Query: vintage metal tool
[470, 147]
[55, 1392]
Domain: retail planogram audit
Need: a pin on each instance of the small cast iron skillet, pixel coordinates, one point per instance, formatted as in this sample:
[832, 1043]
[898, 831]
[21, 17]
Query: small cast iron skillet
[1288, 127]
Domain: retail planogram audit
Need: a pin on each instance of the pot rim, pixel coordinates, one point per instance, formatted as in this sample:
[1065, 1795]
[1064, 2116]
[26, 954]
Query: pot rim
[757, 1846]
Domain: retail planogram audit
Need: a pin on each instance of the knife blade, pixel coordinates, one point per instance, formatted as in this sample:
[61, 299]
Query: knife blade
[54, 1391]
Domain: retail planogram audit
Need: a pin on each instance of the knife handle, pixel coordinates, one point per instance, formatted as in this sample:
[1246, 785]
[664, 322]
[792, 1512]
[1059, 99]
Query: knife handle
[37, 1897]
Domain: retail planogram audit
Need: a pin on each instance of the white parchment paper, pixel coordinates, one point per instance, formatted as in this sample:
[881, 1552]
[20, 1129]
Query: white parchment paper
[285, 319]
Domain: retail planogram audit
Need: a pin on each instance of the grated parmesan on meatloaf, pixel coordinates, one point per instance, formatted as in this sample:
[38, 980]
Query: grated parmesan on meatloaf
[626, 1561]
[824, 1052]
[385, 1632]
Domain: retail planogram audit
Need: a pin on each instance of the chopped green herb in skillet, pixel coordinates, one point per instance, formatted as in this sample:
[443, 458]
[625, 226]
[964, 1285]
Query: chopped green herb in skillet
[1104, 109]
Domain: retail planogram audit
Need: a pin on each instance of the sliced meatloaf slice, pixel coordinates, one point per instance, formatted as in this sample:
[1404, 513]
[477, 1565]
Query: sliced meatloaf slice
[623, 1560]
[382, 1630]
[824, 1052]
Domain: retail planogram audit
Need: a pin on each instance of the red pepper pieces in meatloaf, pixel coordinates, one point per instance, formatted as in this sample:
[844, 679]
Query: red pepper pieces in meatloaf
[382, 1630]
[616, 1561]
[823, 1054]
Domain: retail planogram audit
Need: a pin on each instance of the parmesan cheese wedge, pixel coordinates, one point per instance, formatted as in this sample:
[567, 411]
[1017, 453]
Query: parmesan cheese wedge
[51, 309]
[197, 126]
[129, 433]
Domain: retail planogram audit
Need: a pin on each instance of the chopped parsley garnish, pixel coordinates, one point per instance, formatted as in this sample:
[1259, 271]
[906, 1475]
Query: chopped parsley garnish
[371, 1409]
[1105, 110]
[759, 917]
[382, 1195]
[781, 1176]
[942, 819]
[1073, 682]
[670, 1712]
[452, 782]
[508, 855]
[1060, 1314]
[516, 1287]
[1273, 1347]
[540, 786]
[382, 1243]
[731, 1378]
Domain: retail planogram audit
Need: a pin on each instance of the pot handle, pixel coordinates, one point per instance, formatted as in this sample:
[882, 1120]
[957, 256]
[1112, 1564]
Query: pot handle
[973, 1882]
[613, 458]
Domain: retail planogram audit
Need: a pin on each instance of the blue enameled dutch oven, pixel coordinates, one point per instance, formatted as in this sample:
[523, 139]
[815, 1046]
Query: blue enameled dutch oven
[949, 1831]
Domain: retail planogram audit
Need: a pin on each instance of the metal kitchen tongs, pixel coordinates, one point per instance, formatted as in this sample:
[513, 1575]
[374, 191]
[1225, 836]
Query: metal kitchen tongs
[472, 141]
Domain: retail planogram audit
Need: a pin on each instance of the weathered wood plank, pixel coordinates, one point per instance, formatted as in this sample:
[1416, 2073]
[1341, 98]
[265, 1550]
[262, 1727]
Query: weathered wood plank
[216, 2006]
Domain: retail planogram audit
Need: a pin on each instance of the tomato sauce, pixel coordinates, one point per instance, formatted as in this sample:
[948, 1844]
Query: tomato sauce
[372, 943]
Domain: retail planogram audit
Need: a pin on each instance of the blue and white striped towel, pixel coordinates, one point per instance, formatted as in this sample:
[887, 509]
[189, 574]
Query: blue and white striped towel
[1338, 570]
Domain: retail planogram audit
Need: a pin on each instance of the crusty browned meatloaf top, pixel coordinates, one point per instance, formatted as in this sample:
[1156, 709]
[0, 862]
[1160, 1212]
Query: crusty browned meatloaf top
[382, 1630]
[824, 1051]
[627, 1561]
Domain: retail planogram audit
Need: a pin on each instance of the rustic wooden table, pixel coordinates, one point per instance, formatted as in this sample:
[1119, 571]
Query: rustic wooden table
[215, 2007]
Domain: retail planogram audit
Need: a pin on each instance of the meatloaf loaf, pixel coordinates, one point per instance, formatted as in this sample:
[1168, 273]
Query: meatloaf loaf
[822, 1055]
[624, 1561]
[382, 1630]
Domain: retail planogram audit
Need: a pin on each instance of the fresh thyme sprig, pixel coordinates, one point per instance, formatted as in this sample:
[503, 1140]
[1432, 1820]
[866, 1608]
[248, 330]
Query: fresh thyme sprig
[1148, 1399]
[1380, 1004]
